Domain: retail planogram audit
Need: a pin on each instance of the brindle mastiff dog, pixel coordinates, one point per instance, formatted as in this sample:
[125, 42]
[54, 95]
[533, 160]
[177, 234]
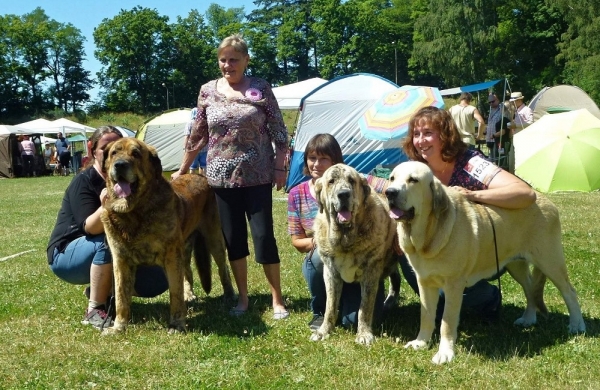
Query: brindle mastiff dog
[149, 220]
[354, 236]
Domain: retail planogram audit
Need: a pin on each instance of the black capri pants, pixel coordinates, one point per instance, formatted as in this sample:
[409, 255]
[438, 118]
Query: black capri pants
[256, 204]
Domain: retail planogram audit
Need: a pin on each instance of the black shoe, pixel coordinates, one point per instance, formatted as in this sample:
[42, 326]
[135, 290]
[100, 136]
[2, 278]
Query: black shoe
[316, 322]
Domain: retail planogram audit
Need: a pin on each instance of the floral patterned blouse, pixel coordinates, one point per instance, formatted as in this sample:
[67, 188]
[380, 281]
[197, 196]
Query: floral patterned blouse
[241, 133]
[472, 171]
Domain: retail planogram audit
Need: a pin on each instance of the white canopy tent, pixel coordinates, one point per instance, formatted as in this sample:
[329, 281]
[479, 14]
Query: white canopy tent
[289, 96]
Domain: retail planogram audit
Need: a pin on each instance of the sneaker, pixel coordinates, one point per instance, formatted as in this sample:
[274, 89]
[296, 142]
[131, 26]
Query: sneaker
[98, 318]
[110, 302]
[316, 322]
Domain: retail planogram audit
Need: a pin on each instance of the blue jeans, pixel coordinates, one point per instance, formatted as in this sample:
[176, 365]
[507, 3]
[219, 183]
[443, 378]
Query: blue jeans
[199, 161]
[481, 297]
[312, 269]
[73, 266]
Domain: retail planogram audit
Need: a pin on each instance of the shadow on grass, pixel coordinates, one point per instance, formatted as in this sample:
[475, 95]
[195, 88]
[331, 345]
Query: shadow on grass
[210, 314]
[500, 340]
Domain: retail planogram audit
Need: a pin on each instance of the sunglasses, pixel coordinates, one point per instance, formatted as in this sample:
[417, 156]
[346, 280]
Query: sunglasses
[494, 101]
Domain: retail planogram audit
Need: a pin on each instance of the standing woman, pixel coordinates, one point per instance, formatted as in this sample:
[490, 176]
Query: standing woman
[239, 118]
[77, 250]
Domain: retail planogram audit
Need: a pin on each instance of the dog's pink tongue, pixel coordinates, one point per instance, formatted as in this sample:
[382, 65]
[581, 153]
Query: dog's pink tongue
[344, 216]
[122, 189]
[396, 213]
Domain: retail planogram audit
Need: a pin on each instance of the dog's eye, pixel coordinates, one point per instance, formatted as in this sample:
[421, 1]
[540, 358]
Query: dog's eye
[392, 178]
[331, 181]
[136, 153]
[412, 180]
[351, 181]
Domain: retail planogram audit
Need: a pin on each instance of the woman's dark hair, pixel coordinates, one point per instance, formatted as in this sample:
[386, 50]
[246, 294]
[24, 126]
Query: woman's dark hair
[440, 120]
[93, 141]
[324, 145]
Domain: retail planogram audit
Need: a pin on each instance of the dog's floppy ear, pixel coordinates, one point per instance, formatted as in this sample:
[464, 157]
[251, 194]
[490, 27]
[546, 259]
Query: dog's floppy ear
[155, 161]
[106, 154]
[318, 189]
[366, 188]
[440, 198]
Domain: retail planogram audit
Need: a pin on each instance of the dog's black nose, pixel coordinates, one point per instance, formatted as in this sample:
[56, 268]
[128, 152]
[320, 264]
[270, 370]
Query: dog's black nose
[343, 194]
[120, 164]
[391, 193]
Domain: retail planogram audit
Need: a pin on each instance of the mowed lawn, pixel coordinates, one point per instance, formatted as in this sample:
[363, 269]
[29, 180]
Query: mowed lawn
[44, 346]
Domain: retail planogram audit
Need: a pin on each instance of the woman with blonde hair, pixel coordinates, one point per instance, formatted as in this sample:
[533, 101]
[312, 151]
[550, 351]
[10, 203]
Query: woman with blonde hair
[239, 118]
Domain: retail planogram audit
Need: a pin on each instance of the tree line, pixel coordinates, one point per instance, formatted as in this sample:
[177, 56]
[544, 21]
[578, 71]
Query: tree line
[442, 43]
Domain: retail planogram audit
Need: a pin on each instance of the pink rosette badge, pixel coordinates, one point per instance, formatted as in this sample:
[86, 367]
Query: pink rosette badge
[253, 94]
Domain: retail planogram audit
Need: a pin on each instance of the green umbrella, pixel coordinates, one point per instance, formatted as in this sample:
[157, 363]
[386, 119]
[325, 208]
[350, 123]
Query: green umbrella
[560, 152]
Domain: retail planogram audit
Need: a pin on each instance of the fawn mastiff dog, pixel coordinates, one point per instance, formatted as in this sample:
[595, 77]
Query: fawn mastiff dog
[449, 242]
[354, 236]
[149, 220]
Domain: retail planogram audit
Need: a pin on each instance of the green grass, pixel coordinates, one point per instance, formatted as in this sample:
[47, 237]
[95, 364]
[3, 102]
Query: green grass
[45, 347]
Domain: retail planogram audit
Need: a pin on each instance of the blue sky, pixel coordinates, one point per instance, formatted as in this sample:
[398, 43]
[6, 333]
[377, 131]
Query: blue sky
[86, 15]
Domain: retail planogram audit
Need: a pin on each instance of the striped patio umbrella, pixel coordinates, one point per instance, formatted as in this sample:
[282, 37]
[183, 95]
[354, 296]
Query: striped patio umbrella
[388, 117]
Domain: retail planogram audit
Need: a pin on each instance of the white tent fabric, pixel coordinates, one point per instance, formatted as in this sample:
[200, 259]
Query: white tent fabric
[64, 122]
[8, 129]
[561, 98]
[289, 96]
[335, 108]
[165, 133]
[36, 124]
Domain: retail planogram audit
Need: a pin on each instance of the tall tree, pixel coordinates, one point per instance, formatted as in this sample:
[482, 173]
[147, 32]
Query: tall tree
[136, 51]
[224, 22]
[29, 36]
[194, 58]
[580, 44]
[452, 38]
[64, 66]
[529, 31]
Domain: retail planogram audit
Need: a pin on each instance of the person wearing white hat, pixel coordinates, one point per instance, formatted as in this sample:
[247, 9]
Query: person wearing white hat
[523, 118]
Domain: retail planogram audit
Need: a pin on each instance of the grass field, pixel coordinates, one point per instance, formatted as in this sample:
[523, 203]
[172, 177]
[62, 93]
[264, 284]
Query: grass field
[45, 346]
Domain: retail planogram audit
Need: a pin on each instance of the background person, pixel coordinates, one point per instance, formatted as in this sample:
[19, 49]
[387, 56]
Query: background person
[496, 116]
[27, 148]
[433, 139]
[199, 163]
[240, 120]
[523, 118]
[465, 115]
[48, 151]
[63, 153]
[77, 250]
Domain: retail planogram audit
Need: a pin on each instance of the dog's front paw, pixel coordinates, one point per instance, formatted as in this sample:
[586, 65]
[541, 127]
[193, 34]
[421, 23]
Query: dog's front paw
[319, 335]
[526, 322]
[115, 329]
[177, 326]
[189, 296]
[444, 355]
[176, 329]
[577, 326]
[416, 344]
[365, 338]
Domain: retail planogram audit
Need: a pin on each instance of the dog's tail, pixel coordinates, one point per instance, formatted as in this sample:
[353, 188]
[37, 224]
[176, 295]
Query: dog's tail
[203, 261]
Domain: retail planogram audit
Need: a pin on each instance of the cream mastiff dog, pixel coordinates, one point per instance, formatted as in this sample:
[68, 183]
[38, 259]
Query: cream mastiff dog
[354, 236]
[449, 242]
